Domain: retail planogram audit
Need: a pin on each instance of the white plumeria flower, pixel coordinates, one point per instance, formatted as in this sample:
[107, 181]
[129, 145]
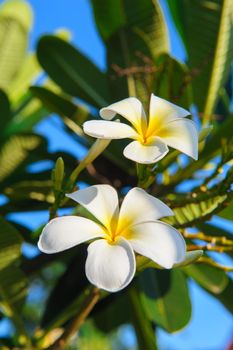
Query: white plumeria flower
[110, 263]
[165, 127]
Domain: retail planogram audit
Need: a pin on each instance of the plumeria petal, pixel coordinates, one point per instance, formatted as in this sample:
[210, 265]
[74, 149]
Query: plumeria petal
[181, 134]
[108, 130]
[162, 112]
[148, 153]
[100, 200]
[139, 206]
[129, 108]
[110, 266]
[66, 232]
[159, 242]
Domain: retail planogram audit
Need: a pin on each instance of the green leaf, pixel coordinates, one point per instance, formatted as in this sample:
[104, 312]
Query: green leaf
[165, 298]
[214, 231]
[76, 74]
[60, 104]
[10, 243]
[5, 111]
[227, 213]
[196, 211]
[190, 257]
[213, 147]
[13, 289]
[18, 10]
[40, 191]
[59, 304]
[29, 113]
[117, 305]
[143, 18]
[171, 81]
[29, 71]
[91, 338]
[111, 19]
[225, 297]
[209, 277]
[15, 22]
[15, 151]
[206, 29]
[133, 33]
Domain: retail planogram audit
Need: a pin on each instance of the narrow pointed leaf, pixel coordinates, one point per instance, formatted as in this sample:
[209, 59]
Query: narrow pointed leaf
[72, 71]
[60, 104]
[15, 151]
[207, 32]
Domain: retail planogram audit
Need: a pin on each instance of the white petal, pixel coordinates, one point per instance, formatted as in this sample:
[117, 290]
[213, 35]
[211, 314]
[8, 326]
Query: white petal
[108, 130]
[159, 242]
[146, 154]
[66, 232]
[110, 266]
[181, 134]
[129, 108]
[100, 200]
[162, 111]
[139, 206]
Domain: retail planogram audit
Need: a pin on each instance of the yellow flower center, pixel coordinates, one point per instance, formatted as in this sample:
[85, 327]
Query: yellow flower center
[145, 139]
[153, 128]
[119, 228]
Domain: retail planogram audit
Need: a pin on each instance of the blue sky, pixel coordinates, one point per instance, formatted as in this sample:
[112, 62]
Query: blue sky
[77, 17]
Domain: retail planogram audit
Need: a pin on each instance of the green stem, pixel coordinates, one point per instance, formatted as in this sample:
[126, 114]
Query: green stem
[142, 326]
[145, 174]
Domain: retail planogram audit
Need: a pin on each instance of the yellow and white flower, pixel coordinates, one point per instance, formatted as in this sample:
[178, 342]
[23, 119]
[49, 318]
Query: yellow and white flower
[165, 127]
[135, 227]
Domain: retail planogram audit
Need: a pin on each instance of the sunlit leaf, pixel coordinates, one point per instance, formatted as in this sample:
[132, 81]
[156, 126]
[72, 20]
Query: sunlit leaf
[206, 29]
[10, 243]
[15, 22]
[209, 277]
[189, 213]
[15, 151]
[165, 297]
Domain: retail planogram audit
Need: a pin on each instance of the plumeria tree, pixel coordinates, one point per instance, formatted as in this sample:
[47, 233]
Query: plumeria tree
[152, 127]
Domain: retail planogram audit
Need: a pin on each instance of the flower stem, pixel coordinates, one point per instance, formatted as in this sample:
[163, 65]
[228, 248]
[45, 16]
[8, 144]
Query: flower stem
[142, 326]
[74, 326]
[145, 174]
